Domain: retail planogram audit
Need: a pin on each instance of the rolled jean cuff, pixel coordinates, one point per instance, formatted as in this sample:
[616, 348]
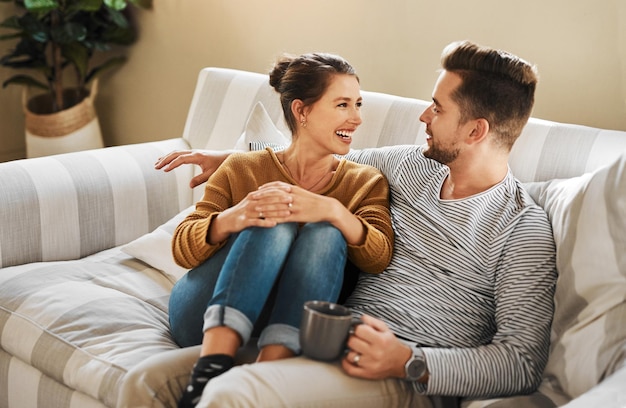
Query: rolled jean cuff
[219, 315]
[282, 334]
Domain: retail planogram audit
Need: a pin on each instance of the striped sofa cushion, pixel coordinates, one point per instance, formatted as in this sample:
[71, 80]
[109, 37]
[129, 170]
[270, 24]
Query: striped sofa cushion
[82, 324]
[73, 205]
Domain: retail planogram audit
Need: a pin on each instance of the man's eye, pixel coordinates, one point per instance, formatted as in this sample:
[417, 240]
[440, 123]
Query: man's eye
[359, 104]
[342, 105]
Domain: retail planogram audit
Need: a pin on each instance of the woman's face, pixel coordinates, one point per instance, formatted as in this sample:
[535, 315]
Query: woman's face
[331, 121]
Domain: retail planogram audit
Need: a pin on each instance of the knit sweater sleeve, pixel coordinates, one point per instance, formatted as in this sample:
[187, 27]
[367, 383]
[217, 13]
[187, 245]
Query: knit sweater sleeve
[370, 204]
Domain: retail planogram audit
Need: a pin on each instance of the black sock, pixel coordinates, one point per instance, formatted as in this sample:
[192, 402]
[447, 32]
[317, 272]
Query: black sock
[206, 367]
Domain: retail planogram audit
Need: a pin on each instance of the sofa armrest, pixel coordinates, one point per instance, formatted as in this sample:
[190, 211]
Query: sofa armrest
[610, 393]
[72, 205]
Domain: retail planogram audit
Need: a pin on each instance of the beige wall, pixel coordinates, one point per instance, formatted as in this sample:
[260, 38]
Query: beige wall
[578, 45]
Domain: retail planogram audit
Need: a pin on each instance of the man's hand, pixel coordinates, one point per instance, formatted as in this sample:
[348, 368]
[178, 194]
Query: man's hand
[208, 160]
[382, 355]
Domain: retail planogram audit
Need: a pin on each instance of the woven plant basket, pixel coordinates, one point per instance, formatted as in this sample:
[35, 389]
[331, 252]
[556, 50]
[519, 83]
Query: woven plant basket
[73, 129]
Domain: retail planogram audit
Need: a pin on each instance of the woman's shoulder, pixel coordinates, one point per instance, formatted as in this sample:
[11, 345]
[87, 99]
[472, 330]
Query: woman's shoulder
[249, 158]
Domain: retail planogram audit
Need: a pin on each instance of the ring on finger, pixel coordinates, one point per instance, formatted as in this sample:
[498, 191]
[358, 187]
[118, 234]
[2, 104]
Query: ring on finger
[290, 205]
[356, 359]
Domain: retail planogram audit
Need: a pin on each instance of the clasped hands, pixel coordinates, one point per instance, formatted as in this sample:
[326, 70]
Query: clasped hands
[279, 202]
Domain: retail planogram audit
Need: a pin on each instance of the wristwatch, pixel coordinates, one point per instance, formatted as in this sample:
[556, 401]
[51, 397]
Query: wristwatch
[415, 367]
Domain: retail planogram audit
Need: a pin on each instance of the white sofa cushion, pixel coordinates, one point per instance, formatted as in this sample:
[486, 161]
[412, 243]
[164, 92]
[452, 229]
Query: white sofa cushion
[588, 216]
[259, 126]
[155, 248]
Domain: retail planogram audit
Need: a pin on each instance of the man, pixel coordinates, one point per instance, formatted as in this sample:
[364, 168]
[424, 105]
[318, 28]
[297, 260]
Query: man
[465, 307]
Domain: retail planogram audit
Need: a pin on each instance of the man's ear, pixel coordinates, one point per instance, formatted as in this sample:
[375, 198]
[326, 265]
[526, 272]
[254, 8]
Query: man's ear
[479, 131]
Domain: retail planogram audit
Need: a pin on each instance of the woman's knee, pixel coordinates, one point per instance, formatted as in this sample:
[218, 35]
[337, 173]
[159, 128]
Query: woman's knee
[322, 241]
[323, 232]
[277, 234]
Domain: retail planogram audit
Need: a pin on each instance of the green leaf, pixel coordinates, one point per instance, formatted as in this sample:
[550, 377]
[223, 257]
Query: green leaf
[146, 4]
[12, 22]
[118, 18]
[89, 5]
[9, 36]
[116, 4]
[110, 64]
[24, 80]
[68, 33]
[78, 55]
[34, 28]
[41, 6]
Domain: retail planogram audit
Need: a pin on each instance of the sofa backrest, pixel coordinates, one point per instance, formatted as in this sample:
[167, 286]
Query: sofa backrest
[224, 98]
[72, 205]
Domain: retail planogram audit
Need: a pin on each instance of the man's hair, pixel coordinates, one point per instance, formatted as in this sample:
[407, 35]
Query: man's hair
[496, 86]
[305, 77]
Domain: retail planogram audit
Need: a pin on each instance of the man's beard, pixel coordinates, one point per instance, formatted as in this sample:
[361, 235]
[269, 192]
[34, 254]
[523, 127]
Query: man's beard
[443, 156]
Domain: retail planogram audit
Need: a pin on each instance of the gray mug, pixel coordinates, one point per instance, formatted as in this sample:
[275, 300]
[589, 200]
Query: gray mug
[324, 329]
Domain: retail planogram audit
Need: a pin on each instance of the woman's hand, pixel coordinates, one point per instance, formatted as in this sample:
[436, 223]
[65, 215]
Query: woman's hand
[382, 355]
[258, 209]
[291, 203]
[284, 202]
[207, 160]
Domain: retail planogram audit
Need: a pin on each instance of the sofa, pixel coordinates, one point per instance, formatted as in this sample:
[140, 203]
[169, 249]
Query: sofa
[86, 267]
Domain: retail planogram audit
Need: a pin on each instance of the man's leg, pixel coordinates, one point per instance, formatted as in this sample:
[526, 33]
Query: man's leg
[302, 382]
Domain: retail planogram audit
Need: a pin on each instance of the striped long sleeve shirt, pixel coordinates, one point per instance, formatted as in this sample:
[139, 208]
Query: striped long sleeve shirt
[471, 280]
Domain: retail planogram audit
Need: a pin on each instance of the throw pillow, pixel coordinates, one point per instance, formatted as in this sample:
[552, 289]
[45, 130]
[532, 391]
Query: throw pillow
[588, 216]
[259, 126]
[155, 248]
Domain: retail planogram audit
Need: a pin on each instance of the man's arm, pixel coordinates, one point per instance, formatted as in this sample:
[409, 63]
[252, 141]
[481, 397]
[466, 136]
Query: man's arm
[208, 160]
[513, 362]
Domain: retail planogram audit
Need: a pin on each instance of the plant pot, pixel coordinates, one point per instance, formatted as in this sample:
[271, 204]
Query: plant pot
[72, 129]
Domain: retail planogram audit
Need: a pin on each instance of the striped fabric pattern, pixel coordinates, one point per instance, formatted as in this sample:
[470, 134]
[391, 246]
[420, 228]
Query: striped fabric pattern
[462, 299]
[82, 324]
[86, 324]
[73, 205]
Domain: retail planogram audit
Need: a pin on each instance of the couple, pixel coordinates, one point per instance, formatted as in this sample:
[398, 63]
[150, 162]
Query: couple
[465, 305]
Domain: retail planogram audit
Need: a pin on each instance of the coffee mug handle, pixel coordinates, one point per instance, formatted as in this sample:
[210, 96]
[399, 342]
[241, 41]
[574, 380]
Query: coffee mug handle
[355, 322]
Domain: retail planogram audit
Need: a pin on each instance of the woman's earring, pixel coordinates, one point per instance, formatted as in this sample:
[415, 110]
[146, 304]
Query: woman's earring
[303, 123]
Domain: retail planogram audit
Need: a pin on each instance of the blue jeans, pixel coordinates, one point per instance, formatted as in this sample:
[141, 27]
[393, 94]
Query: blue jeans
[287, 264]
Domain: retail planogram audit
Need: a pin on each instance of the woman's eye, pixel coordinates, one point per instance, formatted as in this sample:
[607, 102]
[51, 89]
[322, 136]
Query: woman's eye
[359, 104]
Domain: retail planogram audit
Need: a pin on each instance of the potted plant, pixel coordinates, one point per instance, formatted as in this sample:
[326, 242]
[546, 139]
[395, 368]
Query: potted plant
[56, 41]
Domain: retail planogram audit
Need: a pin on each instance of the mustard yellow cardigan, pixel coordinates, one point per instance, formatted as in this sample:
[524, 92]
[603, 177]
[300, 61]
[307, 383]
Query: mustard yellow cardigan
[362, 189]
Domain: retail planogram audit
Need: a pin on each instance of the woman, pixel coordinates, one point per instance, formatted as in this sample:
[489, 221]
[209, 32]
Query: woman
[275, 229]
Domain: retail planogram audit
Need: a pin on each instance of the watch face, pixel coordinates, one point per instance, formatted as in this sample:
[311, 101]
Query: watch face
[416, 368]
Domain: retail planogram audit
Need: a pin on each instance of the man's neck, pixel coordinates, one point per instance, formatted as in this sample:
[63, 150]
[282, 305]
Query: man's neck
[468, 180]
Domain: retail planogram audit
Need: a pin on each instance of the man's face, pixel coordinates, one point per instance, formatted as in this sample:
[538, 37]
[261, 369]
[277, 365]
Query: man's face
[442, 119]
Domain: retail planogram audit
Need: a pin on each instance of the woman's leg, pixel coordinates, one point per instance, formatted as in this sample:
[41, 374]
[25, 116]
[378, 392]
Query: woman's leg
[313, 271]
[248, 271]
[248, 276]
[190, 297]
